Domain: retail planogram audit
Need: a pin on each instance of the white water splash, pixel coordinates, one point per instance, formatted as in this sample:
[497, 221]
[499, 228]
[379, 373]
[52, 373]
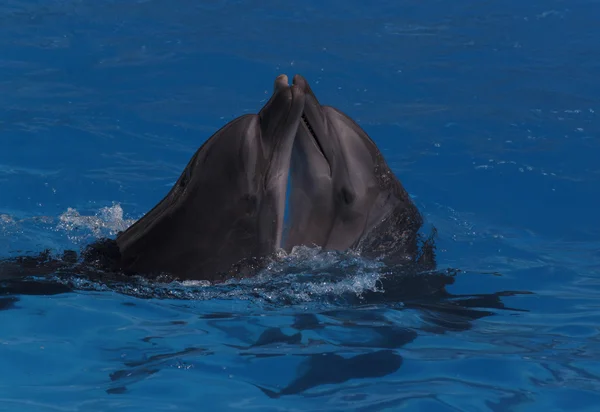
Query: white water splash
[108, 221]
[304, 276]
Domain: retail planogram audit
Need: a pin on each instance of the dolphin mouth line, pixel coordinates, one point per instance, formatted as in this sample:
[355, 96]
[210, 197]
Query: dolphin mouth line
[314, 136]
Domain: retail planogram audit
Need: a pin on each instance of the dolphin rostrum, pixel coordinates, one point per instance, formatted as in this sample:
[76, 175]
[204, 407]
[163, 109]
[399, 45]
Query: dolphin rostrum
[343, 194]
[228, 204]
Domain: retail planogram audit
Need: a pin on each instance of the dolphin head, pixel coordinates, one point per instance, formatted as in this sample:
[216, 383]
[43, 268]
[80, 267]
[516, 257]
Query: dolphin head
[341, 187]
[228, 204]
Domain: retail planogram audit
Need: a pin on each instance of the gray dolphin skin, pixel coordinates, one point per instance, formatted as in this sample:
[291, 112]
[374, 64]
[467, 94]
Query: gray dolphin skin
[342, 194]
[228, 204]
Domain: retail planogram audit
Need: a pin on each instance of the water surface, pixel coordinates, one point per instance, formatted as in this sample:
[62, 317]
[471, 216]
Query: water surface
[486, 111]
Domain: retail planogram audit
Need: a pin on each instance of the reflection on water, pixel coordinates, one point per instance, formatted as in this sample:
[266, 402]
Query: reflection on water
[341, 308]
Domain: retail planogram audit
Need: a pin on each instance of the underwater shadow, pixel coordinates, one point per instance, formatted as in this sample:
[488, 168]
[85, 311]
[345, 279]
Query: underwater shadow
[441, 312]
[356, 357]
[402, 287]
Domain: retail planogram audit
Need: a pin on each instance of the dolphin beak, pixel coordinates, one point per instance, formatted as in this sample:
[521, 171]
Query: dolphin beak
[280, 82]
[313, 121]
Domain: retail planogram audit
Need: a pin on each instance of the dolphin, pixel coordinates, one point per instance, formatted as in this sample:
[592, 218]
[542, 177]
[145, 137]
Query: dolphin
[342, 193]
[226, 211]
[228, 204]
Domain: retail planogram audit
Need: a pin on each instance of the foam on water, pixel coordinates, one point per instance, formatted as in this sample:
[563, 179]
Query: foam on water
[303, 276]
[108, 221]
[306, 274]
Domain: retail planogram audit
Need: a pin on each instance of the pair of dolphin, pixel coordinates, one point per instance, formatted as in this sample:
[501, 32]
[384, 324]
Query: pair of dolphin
[228, 204]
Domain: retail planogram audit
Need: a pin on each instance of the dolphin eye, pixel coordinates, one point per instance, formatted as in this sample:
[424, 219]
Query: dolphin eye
[346, 196]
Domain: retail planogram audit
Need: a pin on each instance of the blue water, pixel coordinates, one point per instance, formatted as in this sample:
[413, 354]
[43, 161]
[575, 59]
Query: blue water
[488, 112]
